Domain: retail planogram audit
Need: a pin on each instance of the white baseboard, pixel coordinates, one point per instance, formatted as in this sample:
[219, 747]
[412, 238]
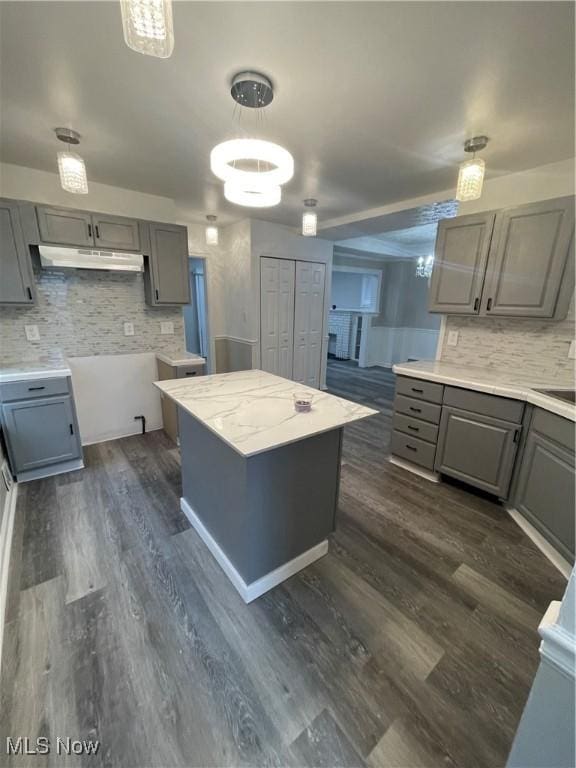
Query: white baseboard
[545, 547]
[249, 592]
[432, 477]
[6, 532]
[105, 437]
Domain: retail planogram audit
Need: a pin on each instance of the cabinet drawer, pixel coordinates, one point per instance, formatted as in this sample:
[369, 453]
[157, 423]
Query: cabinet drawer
[417, 408]
[554, 427]
[414, 450]
[423, 390]
[486, 405]
[25, 390]
[185, 371]
[415, 427]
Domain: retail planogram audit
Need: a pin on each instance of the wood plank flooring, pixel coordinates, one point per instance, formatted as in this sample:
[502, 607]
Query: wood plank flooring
[412, 643]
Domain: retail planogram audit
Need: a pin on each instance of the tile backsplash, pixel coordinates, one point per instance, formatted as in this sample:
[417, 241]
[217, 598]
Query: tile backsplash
[530, 346]
[82, 313]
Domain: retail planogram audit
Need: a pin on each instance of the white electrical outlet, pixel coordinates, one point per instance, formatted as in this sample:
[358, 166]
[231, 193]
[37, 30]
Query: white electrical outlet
[452, 338]
[166, 328]
[32, 332]
[572, 350]
[128, 329]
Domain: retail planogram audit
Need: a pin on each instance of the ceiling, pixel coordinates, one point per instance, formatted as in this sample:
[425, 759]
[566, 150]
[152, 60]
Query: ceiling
[403, 243]
[374, 100]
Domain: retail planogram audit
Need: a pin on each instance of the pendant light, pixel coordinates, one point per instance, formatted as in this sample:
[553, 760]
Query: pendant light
[424, 266]
[309, 218]
[211, 231]
[70, 165]
[252, 170]
[148, 26]
[471, 173]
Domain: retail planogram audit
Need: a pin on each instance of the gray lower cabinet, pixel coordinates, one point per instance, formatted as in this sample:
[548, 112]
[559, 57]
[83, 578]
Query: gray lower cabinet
[461, 254]
[516, 262]
[41, 432]
[546, 478]
[62, 226]
[417, 409]
[167, 279]
[17, 282]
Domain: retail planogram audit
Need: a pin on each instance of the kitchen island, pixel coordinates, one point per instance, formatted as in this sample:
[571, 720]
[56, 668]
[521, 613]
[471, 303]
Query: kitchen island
[259, 480]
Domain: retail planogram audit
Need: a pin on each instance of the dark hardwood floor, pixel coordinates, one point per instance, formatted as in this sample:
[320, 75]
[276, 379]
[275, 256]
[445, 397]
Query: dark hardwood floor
[412, 643]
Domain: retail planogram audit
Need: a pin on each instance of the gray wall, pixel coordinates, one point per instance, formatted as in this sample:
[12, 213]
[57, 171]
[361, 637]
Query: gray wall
[403, 298]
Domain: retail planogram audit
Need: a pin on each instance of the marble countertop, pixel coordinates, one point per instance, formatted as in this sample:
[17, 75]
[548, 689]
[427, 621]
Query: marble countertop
[180, 358]
[31, 371]
[492, 381]
[253, 411]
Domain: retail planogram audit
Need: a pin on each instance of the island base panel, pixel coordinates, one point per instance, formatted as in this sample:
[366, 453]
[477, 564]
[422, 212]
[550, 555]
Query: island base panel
[262, 511]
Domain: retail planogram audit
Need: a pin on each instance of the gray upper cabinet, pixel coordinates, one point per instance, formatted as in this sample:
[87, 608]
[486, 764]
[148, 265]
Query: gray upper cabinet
[461, 254]
[516, 262]
[115, 232]
[529, 252]
[17, 283]
[546, 478]
[61, 226]
[167, 279]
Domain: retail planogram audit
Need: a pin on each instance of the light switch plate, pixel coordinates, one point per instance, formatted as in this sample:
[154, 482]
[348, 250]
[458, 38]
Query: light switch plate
[128, 329]
[452, 338]
[572, 350]
[166, 328]
[32, 332]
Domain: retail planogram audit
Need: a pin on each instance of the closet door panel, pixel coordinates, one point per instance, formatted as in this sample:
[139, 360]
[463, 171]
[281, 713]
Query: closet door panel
[308, 322]
[277, 316]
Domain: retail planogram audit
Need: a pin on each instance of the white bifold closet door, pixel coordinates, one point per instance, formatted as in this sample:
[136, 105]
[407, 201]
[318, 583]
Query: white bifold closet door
[277, 316]
[308, 321]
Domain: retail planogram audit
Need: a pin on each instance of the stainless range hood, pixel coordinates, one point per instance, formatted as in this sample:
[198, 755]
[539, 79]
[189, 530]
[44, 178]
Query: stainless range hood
[59, 257]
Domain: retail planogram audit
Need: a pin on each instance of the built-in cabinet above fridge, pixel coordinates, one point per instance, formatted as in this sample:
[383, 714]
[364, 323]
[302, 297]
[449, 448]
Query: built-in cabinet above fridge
[517, 262]
[291, 318]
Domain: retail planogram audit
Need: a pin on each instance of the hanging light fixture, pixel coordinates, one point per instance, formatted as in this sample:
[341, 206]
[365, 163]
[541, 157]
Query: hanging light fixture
[70, 165]
[309, 218]
[211, 230]
[471, 173]
[148, 26]
[252, 170]
[424, 266]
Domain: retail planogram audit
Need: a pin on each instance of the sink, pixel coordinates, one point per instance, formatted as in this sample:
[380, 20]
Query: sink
[568, 395]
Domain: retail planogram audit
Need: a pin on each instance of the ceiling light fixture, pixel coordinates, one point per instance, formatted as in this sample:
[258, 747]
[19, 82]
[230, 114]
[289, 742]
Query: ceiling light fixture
[309, 218]
[254, 195]
[211, 231]
[71, 166]
[252, 169]
[424, 266]
[148, 26]
[471, 173]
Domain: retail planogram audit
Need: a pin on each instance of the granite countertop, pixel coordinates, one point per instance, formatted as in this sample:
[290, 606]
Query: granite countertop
[253, 411]
[180, 358]
[492, 381]
[31, 371]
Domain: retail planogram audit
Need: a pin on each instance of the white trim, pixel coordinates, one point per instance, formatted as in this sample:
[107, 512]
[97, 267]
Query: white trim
[237, 338]
[440, 342]
[6, 533]
[249, 592]
[545, 547]
[107, 436]
[432, 477]
[557, 645]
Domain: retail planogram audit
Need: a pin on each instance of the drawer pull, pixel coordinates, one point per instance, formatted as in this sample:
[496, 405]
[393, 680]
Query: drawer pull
[411, 447]
[35, 389]
[420, 391]
[414, 429]
[71, 429]
[416, 410]
[191, 373]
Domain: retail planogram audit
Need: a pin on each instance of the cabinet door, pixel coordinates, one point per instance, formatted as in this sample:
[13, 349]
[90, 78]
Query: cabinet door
[116, 232]
[461, 254]
[545, 491]
[40, 432]
[476, 449]
[17, 283]
[308, 322]
[277, 316]
[60, 226]
[527, 259]
[169, 264]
